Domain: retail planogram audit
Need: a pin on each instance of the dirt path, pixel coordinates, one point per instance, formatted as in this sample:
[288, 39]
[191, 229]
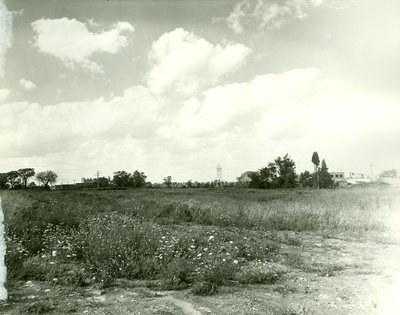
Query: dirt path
[385, 288]
[186, 307]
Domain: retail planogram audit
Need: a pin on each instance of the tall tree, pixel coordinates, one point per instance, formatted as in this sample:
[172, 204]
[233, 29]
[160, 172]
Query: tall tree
[307, 179]
[138, 179]
[244, 179]
[47, 178]
[168, 181]
[255, 180]
[269, 176]
[286, 172]
[315, 161]
[121, 179]
[25, 174]
[325, 179]
[104, 181]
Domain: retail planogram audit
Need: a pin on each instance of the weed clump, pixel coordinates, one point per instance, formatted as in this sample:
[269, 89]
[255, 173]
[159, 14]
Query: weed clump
[259, 273]
[204, 288]
[40, 307]
[181, 238]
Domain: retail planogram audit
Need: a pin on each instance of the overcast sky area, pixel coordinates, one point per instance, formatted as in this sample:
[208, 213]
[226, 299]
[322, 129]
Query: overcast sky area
[174, 87]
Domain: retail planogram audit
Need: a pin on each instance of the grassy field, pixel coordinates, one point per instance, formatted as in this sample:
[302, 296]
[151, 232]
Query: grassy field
[179, 239]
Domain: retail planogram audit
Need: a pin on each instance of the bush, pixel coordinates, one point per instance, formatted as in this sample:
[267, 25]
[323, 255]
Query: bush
[178, 274]
[45, 269]
[204, 288]
[15, 256]
[35, 268]
[259, 273]
[40, 307]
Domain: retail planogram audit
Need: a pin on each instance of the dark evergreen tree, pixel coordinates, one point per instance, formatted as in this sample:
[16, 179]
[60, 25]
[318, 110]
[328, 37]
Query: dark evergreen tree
[315, 161]
[325, 179]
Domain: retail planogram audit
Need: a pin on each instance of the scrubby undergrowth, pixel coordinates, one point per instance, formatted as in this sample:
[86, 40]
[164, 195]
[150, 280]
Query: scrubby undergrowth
[180, 237]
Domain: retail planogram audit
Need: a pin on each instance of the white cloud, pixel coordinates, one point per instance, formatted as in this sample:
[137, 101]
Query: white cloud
[4, 93]
[72, 42]
[262, 15]
[240, 105]
[6, 20]
[27, 85]
[241, 125]
[35, 130]
[182, 62]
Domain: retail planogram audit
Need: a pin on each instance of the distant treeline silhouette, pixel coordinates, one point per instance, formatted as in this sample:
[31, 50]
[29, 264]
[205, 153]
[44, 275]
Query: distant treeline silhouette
[280, 173]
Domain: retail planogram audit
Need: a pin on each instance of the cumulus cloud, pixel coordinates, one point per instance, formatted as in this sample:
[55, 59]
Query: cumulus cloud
[240, 105]
[239, 124]
[6, 20]
[34, 130]
[181, 61]
[70, 41]
[262, 15]
[27, 85]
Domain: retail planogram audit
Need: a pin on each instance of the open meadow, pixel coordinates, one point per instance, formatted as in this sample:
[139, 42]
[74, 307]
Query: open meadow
[195, 251]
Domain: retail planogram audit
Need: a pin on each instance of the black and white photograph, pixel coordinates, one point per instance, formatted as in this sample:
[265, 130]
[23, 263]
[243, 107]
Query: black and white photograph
[199, 157]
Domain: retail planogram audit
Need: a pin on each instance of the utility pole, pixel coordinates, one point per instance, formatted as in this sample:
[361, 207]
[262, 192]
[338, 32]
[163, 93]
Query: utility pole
[371, 165]
[98, 176]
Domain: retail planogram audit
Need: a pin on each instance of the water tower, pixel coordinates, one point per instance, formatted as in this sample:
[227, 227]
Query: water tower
[219, 173]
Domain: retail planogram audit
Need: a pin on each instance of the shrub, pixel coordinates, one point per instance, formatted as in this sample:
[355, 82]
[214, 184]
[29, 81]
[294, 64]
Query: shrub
[178, 274]
[204, 288]
[45, 269]
[35, 268]
[15, 256]
[259, 273]
[40, 307]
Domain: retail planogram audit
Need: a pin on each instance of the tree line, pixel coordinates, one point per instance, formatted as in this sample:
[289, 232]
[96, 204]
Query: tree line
[18, 179]
[281, 173]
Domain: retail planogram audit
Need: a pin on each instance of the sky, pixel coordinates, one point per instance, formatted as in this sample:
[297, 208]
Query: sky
[176, 87]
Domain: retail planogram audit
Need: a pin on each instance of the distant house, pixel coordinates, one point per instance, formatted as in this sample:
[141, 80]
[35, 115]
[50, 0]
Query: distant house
[337, 176]
[88, 180]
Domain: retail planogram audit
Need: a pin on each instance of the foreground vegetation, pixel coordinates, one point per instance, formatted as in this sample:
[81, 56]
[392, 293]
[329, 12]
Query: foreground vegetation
[181, 238]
